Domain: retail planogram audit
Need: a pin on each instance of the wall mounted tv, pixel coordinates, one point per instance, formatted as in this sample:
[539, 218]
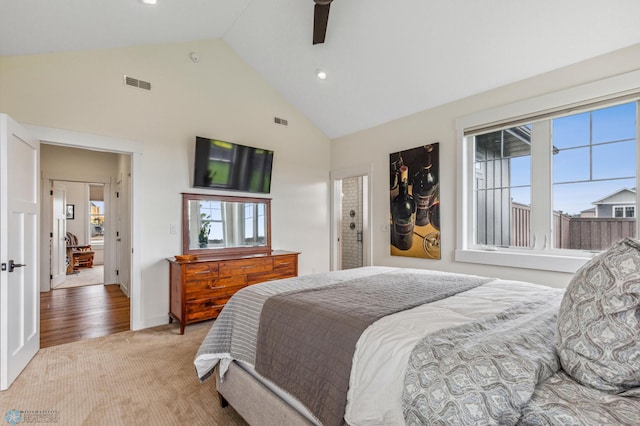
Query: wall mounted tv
[230, 166]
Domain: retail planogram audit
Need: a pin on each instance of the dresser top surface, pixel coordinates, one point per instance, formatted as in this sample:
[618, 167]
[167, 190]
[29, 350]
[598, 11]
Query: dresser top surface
[237, 256]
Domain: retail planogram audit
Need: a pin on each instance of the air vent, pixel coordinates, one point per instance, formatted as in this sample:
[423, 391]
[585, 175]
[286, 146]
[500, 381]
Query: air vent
[280, 121]
[134, 82]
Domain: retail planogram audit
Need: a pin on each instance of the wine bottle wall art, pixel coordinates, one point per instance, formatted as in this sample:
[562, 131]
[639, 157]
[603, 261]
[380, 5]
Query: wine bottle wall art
[414, 195]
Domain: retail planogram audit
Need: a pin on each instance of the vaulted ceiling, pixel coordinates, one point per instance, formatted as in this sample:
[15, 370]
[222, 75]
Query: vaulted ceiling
[384, 59]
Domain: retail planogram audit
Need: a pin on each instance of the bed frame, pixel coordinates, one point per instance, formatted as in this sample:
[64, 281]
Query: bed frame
[255, 402]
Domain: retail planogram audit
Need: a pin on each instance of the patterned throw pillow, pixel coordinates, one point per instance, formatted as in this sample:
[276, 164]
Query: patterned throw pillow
[598, 337]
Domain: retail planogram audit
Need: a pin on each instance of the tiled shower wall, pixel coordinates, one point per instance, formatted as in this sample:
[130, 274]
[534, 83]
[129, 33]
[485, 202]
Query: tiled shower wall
[351, 201]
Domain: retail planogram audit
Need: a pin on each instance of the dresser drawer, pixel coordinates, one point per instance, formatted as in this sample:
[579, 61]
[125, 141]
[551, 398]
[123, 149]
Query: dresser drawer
[268, 276]
[286, 264]
[201, 271]
[245, 266]
[197, 311]
[202, 309]
[207, 288]
[284, 261]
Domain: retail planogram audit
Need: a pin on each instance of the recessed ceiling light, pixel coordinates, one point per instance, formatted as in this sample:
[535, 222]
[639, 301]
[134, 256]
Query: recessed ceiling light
[149, 1]
[321, 74]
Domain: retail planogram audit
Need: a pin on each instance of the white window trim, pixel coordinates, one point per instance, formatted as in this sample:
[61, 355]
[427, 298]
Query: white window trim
[634, 211]
[536, 258]
[624, 208]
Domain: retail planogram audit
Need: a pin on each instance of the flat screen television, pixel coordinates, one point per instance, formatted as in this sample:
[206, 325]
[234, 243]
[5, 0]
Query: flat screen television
[231, 166]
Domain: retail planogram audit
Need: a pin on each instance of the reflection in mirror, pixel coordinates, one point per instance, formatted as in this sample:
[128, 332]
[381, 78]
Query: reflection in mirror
[221, 224]
[217, 225]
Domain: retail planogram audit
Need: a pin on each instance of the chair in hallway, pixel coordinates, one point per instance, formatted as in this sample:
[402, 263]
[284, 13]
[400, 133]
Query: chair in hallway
[78, 256]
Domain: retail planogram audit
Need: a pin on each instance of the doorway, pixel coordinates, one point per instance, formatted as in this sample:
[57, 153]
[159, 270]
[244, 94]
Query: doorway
[86, 206]
[131, 214]
[81, 181]
[351, 234]
[88, 301]
[352, 222]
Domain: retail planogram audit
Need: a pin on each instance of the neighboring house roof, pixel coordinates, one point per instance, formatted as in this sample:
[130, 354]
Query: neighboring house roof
[615, 198]
[591, 210]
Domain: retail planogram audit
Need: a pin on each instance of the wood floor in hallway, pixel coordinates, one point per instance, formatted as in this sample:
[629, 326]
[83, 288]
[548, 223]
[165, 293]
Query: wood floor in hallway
[71, 314]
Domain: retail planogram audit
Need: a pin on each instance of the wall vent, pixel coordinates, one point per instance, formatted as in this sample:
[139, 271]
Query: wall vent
[280, 121]
[134, 82]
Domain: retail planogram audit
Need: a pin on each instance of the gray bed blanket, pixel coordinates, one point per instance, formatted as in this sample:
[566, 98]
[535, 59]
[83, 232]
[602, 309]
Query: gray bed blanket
[482, 372]
[560, 400]
[234, 333]
[307, 338]
[504, 370]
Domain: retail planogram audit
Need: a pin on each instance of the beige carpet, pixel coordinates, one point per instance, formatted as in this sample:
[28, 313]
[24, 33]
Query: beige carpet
[84, 276]
[131, 378]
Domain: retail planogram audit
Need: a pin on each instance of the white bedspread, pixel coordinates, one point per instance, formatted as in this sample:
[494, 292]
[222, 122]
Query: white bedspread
[380, 360]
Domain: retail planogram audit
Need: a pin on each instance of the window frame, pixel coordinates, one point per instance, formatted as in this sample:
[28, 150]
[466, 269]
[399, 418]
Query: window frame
[633, 209]
[95, 244]
[211, 221]
[598, 94]
[624, 208]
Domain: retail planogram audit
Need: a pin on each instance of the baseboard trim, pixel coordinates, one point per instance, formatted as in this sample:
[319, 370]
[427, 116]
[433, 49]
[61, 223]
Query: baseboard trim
[155, 321]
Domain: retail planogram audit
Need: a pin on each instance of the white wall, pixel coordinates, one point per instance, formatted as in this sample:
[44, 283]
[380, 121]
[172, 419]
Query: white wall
[438, 125]
[77, 195]
[218, 97]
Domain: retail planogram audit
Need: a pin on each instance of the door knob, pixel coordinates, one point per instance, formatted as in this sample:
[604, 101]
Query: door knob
[13, 265]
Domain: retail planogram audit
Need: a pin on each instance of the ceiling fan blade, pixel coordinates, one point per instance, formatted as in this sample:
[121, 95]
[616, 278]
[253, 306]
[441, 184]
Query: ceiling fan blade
[320, 20]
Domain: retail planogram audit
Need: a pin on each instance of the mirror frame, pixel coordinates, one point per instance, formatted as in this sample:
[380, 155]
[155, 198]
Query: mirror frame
[214, 252]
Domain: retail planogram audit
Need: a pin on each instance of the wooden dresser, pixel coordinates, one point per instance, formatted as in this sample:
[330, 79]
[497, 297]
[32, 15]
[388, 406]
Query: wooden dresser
[199, 289]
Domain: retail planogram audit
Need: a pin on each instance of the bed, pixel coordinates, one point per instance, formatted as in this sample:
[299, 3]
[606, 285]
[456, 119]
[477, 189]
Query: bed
[387, 346]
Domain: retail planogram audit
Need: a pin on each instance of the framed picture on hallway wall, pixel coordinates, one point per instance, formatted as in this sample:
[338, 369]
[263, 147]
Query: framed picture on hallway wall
[71, 211]
[414, 192]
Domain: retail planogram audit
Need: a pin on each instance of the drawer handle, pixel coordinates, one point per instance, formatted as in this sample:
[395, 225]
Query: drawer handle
[213, 287]
[203, 272]
[283, 264]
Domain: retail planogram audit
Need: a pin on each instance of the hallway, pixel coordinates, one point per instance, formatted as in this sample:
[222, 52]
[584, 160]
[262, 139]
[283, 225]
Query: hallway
[71, 314]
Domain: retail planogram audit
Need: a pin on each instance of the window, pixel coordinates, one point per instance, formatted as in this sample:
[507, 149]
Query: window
[594, 164]
[254, 231]
[624, 211]
[592, 161]
[212, 231]
[549, 191]
[503, 187]
[96, 214]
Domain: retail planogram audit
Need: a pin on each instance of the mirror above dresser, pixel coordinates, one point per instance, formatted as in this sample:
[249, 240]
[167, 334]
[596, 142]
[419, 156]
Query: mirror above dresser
[226, 246]
[213, 225]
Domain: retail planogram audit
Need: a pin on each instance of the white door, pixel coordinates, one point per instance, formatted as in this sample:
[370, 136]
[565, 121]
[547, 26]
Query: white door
[58, 233]
[123, 247]
[118, 227]
[19, 250]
